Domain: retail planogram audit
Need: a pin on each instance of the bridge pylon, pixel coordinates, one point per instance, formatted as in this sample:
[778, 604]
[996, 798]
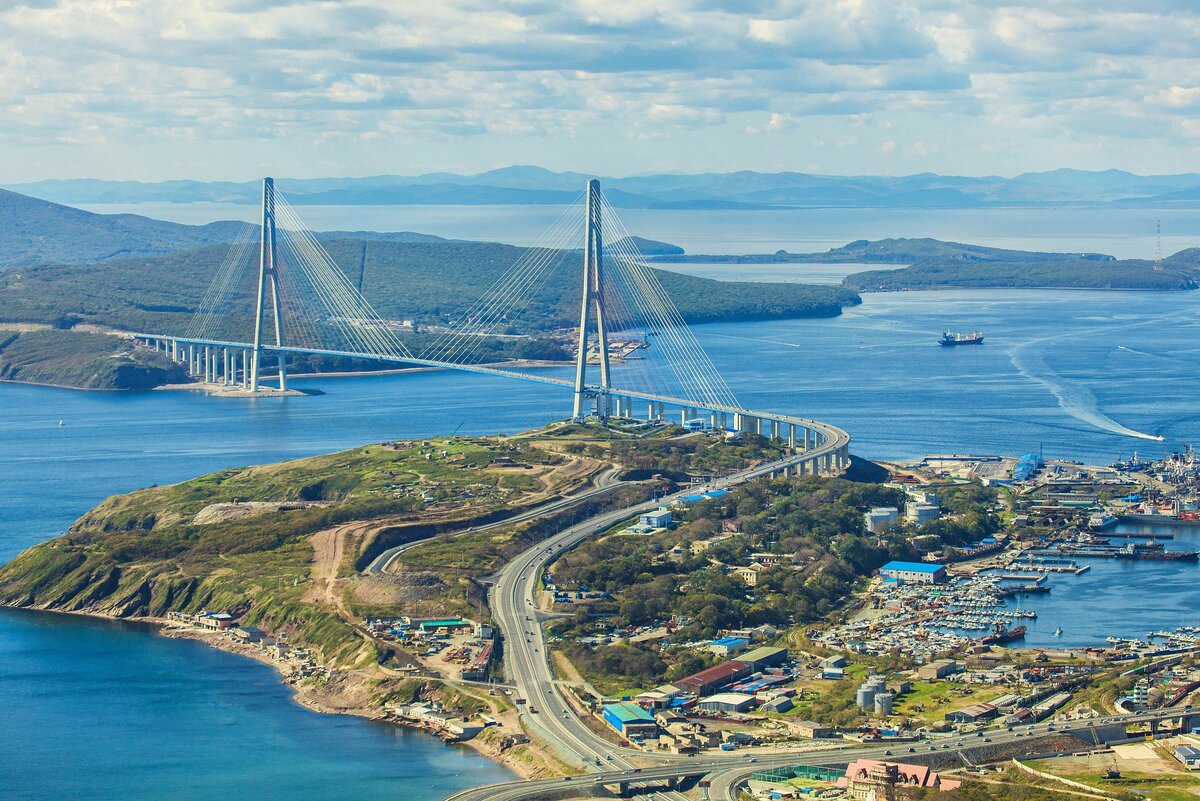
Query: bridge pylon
[268, 276]
[593, 297]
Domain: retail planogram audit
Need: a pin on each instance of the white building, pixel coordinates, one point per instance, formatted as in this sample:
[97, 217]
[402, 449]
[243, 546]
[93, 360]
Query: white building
[922, 513]
[880, 518]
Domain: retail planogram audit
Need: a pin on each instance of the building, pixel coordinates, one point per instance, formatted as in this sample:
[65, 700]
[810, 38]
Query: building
[215, 620]
[749, 573]
[879, 518]
[922, 513]
[435, 626]
[973, 714]
[938, 669]
[869, 778]
[709, 681]
[1141, 695]
[779, 704]
[659, 518]
[764, 657]
[728, 646]
[883, 703]
[629, 720]
[727, 702]
[914, 572]
[1026, 466]
[1189, 755]
[813, 731]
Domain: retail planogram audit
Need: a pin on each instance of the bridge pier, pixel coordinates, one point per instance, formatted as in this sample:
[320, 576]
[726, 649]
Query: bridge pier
[685, 414]
[775, 429]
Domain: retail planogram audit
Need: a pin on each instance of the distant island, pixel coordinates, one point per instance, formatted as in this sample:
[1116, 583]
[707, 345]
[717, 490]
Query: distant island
[933, 264]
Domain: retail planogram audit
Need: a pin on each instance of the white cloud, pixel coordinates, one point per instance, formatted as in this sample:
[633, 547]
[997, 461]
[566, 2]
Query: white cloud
[329, 82]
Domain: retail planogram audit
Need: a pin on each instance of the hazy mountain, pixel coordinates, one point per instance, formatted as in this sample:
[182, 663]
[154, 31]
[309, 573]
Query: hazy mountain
[34, 231]
[526, 185]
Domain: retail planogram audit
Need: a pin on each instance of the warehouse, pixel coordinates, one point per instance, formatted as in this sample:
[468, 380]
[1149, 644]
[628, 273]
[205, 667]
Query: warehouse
[713, 679]
[630, 720]
[727, 702]
[761, 658]
[914, 572]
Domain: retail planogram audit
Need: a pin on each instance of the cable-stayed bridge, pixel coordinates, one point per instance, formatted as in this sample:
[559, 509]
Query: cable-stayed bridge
[278, 293]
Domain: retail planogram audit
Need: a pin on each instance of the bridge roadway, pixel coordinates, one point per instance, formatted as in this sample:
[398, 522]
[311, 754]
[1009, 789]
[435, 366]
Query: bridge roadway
[726, 774]
[823, 456]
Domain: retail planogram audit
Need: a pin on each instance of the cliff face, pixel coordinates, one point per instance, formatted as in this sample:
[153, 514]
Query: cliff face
[84, 361]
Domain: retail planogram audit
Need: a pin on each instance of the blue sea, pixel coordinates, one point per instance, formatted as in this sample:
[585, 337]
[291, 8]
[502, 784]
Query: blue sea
[107, 710]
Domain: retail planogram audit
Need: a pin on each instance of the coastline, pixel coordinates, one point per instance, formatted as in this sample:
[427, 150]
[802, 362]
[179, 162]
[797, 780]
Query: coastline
[310, 698]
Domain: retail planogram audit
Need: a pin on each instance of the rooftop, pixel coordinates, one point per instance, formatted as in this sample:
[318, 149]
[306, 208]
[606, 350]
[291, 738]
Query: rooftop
[913, 567]
[628, 712]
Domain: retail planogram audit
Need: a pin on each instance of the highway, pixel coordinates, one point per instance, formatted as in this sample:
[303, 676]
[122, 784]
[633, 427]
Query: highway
[525, 656]
[605, 482]
[726, 774]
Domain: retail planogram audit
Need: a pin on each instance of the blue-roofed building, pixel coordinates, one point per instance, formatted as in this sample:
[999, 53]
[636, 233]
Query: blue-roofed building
[630, 720]
[728, 646]
[914, 572]
[1026, 466]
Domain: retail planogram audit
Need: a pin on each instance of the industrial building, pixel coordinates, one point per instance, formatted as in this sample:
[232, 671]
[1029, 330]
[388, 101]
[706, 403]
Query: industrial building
[973, 713]
[938, 669]
[728, 646]
[714, 678]
[630, 720]
[727, 702]
[914, 572]
[764, 657]
[1189, 756]
[879, 518]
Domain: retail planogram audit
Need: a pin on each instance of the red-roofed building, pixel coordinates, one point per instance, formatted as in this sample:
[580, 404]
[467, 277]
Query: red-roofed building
[866, 777]
[707, 682]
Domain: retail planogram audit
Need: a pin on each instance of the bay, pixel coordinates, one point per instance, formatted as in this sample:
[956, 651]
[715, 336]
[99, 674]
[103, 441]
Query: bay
[1120, 232]
[1083, 375]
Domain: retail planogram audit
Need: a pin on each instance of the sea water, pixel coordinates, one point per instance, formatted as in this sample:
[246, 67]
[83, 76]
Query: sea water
[103, 710]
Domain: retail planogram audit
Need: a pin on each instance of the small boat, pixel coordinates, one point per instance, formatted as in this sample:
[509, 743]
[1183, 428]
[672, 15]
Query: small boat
[61, 423]
[1058, 632]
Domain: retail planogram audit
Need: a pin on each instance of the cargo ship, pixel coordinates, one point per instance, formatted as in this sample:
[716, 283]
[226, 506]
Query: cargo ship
[1102, 522]
[950, 339]
[1001, 635]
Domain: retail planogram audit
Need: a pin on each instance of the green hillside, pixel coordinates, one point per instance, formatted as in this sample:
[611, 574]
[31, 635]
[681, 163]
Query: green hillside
[424, 281]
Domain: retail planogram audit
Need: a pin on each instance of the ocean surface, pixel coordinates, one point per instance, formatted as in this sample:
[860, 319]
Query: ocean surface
[1084, 375]
[1120, 232]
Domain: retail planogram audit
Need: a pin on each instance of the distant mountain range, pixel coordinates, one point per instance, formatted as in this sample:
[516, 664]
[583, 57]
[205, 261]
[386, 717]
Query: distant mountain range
[524, 185]
[34, 231]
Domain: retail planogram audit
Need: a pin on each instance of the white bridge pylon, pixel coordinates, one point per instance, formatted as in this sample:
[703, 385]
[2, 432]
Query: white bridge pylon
[304, 305]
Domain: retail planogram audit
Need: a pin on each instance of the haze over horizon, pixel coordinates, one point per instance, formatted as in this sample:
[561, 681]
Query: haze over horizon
[223, 90]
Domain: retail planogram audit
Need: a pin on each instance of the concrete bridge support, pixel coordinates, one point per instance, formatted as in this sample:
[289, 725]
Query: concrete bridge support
[775, 429]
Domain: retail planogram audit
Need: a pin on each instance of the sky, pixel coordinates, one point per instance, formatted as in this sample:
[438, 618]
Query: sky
[227, 90]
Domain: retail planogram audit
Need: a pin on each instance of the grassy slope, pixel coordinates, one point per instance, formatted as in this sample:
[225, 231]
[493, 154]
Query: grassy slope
[84, 360]
[140, 554]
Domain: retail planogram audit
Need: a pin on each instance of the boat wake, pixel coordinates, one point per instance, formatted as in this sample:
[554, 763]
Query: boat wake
[1074, 399]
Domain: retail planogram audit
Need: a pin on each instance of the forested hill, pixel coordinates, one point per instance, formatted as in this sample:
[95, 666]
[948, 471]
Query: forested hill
[34, 231]
[423, 281]
[1180, 271]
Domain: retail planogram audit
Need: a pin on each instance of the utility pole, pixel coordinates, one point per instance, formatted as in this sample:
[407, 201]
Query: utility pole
[593, 295]
[267, 275]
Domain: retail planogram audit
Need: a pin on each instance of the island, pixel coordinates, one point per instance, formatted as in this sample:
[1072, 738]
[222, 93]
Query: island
[830, 621]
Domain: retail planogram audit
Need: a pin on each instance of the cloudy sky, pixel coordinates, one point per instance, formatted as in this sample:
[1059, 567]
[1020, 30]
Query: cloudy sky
[221, 89]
